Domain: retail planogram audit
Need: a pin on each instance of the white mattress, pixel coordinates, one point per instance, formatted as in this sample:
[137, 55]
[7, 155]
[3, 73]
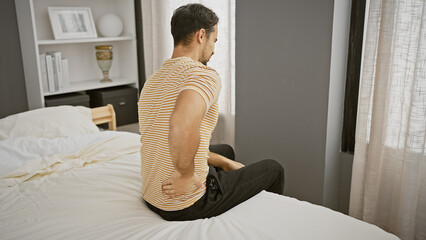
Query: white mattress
[89, 188]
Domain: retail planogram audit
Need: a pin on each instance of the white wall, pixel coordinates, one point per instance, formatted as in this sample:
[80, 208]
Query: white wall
[336, 95]
[346, 162]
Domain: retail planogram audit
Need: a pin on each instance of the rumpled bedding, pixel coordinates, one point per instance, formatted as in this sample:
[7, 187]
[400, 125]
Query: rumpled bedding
[89, 187]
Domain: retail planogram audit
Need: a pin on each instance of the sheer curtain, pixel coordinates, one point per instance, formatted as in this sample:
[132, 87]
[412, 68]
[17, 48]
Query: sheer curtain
[158, 46]
[389, 170]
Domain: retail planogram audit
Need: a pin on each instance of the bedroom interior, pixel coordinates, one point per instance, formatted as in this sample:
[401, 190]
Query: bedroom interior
[289, 106]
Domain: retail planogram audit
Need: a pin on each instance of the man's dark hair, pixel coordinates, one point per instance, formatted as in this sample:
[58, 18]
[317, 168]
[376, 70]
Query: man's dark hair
[190, 18]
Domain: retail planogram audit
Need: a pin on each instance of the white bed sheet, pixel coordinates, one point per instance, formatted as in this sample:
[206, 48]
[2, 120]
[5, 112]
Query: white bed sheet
[89, 188]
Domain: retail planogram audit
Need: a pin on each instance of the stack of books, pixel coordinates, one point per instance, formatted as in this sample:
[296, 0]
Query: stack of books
[54, 71]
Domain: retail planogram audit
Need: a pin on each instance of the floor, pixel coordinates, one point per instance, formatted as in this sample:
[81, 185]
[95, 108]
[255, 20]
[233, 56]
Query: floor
[134, 128]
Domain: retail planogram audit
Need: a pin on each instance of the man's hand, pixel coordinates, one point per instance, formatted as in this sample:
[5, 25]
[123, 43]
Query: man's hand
[177, 184]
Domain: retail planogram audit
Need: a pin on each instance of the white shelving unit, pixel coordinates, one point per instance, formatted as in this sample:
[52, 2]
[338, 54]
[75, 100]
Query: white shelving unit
[70, 41]
[36, 37]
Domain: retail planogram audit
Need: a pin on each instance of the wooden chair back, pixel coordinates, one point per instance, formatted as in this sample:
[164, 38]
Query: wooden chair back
[105, 114]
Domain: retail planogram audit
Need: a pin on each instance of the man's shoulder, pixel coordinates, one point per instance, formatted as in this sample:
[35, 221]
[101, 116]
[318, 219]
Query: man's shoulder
[190, 66]
[201, 70]
[187, 68]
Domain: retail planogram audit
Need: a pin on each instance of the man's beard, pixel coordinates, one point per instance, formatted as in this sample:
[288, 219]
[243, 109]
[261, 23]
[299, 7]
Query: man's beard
[205, 59]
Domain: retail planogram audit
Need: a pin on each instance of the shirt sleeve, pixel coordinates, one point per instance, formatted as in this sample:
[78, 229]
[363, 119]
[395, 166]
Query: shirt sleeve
[204, 81]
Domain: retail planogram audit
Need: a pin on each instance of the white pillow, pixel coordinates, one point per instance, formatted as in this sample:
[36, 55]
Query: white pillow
[49, 122]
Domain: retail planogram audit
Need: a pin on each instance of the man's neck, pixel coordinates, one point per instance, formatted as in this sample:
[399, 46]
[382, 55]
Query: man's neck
[186, 51]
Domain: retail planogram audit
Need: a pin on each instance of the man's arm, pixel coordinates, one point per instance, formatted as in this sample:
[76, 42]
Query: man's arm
[217, 160]
[184, 140]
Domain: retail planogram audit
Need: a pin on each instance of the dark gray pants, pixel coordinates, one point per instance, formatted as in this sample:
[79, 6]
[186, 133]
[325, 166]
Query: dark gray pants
[226, 190]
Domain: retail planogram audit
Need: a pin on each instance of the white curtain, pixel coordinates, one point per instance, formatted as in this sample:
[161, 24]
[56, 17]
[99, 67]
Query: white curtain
[389, 170]
[158, 46]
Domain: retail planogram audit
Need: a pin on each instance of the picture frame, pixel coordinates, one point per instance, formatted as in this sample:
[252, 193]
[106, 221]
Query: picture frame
[72, 22]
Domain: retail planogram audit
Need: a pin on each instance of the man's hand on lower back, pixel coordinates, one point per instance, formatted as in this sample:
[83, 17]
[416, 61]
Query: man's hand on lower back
[177, 184]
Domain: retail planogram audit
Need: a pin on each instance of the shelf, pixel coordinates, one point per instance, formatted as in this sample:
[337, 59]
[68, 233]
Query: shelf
[85, 40]
[36, 36]
[91, 84]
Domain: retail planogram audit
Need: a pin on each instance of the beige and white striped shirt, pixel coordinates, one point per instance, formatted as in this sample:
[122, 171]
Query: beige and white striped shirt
[155, 107]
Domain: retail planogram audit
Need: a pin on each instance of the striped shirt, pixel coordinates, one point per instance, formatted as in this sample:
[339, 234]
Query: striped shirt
[155, 107]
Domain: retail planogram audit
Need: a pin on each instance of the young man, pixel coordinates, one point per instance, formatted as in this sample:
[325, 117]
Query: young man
[178, 111]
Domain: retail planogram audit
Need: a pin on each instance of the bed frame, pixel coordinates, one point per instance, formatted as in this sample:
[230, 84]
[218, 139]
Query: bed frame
[105, 114]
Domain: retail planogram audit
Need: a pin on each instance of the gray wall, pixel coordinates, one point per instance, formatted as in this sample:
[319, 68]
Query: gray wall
[283, 62]
[13, 97]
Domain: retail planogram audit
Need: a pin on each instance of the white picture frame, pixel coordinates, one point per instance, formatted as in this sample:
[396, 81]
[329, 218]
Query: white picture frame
[72, 22]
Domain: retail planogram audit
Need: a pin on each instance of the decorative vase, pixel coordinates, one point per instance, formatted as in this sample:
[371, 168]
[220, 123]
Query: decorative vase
[110, 25]
[104, 58]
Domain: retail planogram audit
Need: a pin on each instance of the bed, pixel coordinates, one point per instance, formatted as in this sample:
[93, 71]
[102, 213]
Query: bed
[63, 178]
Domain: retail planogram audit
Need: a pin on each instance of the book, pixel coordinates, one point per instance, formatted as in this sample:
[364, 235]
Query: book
[58, 62]
[65, 73]
[43, 71]
[55, 71]
[50, 75]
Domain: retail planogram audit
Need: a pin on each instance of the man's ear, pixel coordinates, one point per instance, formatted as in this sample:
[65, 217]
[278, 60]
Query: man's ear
[200, 35]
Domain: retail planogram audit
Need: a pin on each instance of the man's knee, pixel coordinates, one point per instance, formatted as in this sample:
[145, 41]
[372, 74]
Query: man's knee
[276, 169]
[274, 165]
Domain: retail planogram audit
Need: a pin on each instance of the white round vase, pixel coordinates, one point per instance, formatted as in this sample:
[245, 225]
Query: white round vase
[110, 25]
